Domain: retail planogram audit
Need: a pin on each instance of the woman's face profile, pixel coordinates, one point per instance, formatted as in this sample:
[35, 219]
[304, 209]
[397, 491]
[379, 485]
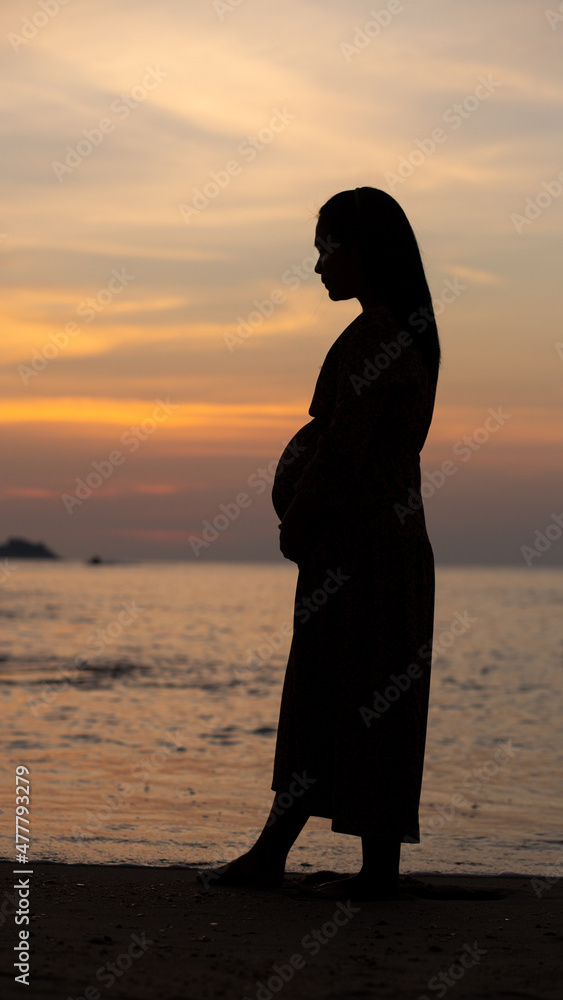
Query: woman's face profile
[340, 265]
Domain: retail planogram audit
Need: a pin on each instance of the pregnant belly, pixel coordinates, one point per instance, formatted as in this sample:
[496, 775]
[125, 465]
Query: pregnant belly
[291, 465]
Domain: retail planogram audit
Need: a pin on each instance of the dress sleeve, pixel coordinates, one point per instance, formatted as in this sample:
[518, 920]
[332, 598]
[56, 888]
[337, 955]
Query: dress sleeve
[365, 388]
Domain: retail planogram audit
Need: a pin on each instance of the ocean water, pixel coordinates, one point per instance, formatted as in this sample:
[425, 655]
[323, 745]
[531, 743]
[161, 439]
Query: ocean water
[144, 700]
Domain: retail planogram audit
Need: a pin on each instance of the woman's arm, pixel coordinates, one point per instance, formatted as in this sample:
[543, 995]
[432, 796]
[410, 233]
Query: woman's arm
[299, 522]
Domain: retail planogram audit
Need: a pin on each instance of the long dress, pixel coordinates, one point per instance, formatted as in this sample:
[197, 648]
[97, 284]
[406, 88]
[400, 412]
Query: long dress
[354, 707]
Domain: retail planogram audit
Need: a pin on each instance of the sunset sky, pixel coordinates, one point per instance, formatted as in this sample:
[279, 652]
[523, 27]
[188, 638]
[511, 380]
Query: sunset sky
[162, 168]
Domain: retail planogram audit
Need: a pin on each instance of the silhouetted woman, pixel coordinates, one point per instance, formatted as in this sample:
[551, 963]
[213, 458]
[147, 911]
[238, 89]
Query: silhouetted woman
[353, 715]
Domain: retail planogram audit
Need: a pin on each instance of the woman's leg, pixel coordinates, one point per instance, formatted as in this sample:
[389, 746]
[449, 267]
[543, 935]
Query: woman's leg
[264, 864]
[381, 860]
[378, 876]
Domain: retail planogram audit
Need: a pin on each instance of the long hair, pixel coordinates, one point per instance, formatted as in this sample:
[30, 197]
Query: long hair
[372, 220]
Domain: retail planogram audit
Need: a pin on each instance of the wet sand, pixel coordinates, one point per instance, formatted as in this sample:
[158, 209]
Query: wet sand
[144, 933]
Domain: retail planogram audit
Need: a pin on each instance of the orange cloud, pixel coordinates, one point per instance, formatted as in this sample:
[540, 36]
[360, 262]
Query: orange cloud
[27, 492]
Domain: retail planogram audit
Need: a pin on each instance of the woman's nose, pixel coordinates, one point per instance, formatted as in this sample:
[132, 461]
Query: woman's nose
[318, 267]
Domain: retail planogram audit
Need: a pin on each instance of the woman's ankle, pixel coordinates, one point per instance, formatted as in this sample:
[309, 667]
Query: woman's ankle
[269, 851]
[380, 876]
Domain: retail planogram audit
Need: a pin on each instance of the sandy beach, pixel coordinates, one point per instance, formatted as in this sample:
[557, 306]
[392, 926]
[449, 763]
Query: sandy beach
[144, 933]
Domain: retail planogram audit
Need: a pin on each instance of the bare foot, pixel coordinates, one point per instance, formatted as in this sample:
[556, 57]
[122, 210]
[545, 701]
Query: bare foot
[253, 869]
[360, 887]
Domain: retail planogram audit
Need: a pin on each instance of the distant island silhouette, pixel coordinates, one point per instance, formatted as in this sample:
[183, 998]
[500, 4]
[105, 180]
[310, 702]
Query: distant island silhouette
[19, 548]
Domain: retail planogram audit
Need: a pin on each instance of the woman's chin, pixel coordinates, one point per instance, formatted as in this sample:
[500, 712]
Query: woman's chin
[339, 296]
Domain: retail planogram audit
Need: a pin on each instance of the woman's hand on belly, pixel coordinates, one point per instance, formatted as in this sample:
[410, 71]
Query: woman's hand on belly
[298, 525]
